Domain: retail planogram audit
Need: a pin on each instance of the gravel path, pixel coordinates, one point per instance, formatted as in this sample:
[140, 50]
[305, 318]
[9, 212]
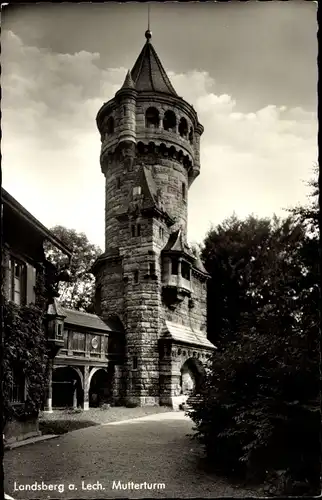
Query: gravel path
[120, 459]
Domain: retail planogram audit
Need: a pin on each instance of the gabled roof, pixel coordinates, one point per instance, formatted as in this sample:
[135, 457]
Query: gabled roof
[79, 318]
[13, 204]
[148, 73]
[148, 186]
[91, 321]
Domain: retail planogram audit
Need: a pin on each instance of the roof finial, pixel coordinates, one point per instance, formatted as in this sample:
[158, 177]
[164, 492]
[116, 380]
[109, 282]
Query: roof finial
[148, 33]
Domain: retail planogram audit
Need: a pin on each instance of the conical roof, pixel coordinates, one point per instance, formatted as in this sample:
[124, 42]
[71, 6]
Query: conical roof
[199, 265]
[148, 73]
[128, 82]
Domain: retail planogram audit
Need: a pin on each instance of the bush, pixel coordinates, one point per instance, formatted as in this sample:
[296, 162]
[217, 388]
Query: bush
[249, 420]
[25, 351]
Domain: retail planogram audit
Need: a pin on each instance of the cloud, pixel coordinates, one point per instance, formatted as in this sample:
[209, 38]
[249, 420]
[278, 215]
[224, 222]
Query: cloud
[251, 162]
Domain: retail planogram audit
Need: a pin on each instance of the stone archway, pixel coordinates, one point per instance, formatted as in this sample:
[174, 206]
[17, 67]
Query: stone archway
[100, 387]
[67, 383]
[191, 376]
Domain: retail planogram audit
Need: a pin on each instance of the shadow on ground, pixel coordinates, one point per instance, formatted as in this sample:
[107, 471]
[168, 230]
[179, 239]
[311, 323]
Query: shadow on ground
[62, 426]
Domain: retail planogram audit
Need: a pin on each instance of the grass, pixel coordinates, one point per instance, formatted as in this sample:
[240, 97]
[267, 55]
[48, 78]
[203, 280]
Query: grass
[62, 421]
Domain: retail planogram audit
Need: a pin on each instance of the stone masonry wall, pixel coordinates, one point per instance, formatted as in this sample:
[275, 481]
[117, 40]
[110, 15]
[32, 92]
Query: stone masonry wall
[142, 306]
[131, 286]
[110, 280]
[183, 314]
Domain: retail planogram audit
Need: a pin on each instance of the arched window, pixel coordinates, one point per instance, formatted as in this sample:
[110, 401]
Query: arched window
[140, 148]
[169, 121]
[183, 128]
[162, 149]
[191, 135]
[152, 119]
[110, 125]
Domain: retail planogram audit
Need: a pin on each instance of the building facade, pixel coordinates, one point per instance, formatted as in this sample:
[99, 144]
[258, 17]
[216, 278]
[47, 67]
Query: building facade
[149, 279]
[23, 268]
[84, 352]
[82, 373]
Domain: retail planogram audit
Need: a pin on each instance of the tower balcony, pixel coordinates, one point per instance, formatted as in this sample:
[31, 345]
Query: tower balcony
[176, 282]
[159, 135]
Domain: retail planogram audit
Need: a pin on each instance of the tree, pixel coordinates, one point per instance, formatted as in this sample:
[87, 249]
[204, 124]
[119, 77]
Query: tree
[78, 292]
[241, 257]
[259, 408]
[309, 214]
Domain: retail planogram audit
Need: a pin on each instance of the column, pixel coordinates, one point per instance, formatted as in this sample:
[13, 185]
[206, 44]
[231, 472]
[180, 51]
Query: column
[49, 399]
[179, 278]
[74, 395]
[86, 388]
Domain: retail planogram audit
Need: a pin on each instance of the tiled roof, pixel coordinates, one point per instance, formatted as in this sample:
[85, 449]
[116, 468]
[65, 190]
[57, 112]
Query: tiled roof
[87, 320]
[148, 185]
[181, 333]
[78, 318]
[176, 244]
[128, 82]
[199, 265]
[148, 73]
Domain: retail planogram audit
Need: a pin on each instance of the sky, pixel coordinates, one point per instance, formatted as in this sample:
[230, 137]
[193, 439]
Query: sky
[249, 70]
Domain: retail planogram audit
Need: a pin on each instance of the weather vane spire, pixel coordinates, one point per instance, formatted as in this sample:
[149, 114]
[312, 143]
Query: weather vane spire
[148, 33]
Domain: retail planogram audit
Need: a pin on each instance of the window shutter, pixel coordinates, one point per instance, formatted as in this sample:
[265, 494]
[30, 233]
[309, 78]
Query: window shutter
[30, 284]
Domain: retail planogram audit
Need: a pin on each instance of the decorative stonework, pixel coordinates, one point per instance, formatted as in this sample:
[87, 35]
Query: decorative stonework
[150, 157]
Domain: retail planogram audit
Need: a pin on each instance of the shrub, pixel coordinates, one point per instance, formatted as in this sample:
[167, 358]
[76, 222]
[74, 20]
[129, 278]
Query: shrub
[25, 351]
[248, 418]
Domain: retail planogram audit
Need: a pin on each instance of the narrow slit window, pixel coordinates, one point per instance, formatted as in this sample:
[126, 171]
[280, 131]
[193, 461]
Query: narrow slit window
[152, 268]
[136, 276]
[138, 230]
[59, 330]
[184, 194]
[135, 362]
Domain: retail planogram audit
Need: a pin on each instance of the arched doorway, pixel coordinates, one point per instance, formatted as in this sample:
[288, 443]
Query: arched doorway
[100, 389]
[67, 387]
[192, 376]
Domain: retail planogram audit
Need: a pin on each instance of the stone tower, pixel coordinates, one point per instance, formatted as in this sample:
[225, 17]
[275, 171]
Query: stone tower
[148, 279]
